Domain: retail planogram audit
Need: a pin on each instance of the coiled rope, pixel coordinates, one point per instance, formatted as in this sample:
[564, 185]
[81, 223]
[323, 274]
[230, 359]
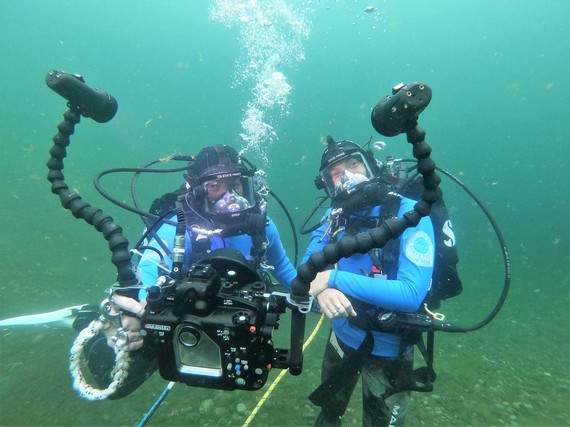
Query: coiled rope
[77, 353]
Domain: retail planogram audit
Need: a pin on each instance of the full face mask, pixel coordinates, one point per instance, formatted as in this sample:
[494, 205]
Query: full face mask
[228, 195]
[342, 176]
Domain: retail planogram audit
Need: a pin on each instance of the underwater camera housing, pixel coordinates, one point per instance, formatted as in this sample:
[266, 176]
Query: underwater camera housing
[398, 113]
[214, 329]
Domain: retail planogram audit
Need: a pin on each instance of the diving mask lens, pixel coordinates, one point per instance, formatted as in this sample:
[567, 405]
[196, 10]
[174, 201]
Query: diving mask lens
[231, 202]
[229, 195]
[349, 180]
[346, 173]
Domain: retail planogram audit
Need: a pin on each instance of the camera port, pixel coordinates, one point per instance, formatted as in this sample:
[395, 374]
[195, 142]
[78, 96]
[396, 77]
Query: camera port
[189, 337]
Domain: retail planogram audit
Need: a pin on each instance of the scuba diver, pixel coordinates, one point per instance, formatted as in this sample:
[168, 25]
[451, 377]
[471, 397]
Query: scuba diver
[360, 287]
[221, 210]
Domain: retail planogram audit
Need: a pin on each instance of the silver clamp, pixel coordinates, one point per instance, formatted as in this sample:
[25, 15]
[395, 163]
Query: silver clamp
[303, 307]
[109, 314]
[206, 233]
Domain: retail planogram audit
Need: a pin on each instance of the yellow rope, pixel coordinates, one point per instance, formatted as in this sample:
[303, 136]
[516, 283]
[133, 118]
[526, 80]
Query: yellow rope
[281, 374]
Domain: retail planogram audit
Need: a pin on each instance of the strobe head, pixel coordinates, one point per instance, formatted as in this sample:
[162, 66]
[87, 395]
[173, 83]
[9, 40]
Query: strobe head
[90, 102]
[398, 113]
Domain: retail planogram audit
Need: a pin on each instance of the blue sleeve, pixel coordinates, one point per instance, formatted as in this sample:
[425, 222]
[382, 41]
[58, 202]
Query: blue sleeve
[147, 267]
[415, 268]
[283, 271]
[413, 279]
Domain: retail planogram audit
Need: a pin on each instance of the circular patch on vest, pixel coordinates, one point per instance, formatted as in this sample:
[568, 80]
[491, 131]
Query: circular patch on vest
[419, 249]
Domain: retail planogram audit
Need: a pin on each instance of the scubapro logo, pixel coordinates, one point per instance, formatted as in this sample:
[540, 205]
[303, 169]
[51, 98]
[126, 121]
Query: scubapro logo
[447, 229]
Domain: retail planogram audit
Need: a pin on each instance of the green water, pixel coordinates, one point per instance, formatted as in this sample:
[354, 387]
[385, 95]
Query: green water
[497, 120]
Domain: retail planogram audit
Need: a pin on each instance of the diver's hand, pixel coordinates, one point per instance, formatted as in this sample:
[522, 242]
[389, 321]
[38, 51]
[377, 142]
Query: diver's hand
[129, 324]
[320, 283]
[335, 304]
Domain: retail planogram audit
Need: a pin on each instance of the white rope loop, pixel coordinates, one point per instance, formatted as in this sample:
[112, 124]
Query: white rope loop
[119, 373]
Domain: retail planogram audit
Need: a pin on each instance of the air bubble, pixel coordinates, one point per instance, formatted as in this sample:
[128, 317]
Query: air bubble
[273, 32]
[379, 145]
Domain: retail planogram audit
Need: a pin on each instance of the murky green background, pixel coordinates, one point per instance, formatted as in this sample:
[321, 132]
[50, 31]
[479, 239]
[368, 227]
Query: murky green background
[498, 121]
